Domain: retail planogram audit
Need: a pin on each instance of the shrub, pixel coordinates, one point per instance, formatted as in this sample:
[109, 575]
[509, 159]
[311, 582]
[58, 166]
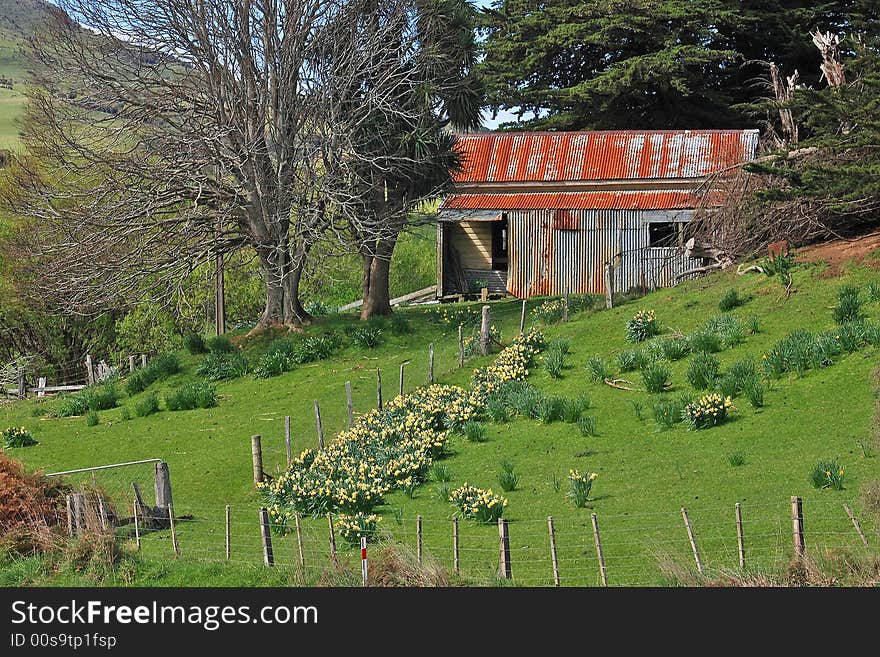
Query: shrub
[579, 486]
[474, 431]
[92, 419]
[729, 329]
[192, 395]
[441, 473]
[852, 336]
[478, 504]
[99, 396]
[730, 300]
[572, 409]
[708, 411]
[704, 341]
[598, 369]
[554, 362]
[655, 377]
[220, 344]
[675, 348]
[849, 306]
[194, 343]
[587, 426]
[223, 366]
[507, 477]
[316, 348]
[630, 359]
[272, 363]
[12, 437]
[703, 370]
[642, 326]
[145, 330]
[147, 406]
[522, 397]
[72, 405]
[796, 352]
[366, 337]
[668, 411]
[827, 474]
[736, 459]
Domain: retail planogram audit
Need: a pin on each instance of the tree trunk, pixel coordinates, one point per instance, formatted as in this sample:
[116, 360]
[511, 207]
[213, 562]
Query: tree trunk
[282, 276]
[376, 290]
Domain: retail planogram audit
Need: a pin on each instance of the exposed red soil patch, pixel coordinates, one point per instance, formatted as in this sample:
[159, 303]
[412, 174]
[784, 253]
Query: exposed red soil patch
[837, 252]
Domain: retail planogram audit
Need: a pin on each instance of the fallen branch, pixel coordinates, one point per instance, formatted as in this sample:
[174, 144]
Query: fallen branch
[740, 271]
[615, 383]
[699, 270]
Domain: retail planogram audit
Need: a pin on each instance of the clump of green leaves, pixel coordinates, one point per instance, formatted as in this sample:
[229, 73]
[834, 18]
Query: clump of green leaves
[196, 394]
[828, 473]
[849, 305]
[598, 369]
[655, 377]
[508, 478]
[703, 370]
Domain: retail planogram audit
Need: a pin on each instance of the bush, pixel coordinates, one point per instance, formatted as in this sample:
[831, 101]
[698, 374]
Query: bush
[587, 426]
[92, 419]
[366, 337]
[272, 363]
[507, 477]
[474, 431]
[145, 330]
[352, 526]
[220, 344]
[99, 396]
[668, 411]
[12, 437]
[579, 486]
[827, 474]
[729, 328]
[147, 406]
[522, 397]
[72, 405]
[708, 411]
[316, 348]
[223, 366]
[753, 324]
[194, 343]
[703, 371]
[704, 341]
[642, 326]
[675, 348]
[192, 395]
[655, 377]
[730, 300]
[598, 369]
[125, 414]
[849, 306]
[630, 360]
[478, 504]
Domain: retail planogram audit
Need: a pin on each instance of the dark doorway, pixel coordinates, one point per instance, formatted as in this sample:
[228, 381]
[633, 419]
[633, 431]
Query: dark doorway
[499, 244]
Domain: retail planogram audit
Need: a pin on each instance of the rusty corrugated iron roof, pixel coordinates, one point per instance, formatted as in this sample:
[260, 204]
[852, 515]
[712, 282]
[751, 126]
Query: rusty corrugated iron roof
[640, 200]
[601, 155]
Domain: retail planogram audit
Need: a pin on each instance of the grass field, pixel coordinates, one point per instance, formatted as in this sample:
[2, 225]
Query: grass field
[645, 475]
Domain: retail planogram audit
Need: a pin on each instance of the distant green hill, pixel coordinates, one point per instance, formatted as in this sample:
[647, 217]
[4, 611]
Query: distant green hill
[18, 20]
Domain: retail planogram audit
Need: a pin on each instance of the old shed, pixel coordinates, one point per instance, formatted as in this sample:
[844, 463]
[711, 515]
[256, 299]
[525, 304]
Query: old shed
[535, 213]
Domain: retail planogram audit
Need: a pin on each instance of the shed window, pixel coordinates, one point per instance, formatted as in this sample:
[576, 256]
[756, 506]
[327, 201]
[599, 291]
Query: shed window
[663, 233]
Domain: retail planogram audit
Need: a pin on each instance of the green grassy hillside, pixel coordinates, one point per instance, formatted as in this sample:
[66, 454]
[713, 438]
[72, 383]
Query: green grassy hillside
[759, 459]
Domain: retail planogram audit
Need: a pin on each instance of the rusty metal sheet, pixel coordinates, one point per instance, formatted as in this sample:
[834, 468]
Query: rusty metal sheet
[629, 200]
[601, 155]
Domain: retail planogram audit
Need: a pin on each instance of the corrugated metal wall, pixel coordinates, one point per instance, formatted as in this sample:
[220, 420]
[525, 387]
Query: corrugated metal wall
[543, 259]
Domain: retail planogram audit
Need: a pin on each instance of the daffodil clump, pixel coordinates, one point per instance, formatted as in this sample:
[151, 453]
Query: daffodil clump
[512, 364]
[352, 527]
[828, 474]
[16, 437]
[708, 411]
[550, 312]
[477, 504]
[458, 315]
[642, 326]
[579, 486]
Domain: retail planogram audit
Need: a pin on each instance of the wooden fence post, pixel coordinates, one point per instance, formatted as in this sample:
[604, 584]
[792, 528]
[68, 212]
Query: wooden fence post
[257, 458]
[319, 426]
[553, 556]
[228, 533]
[143, 360]
[174, 543]
[71, 527]
[79, 513]
[287, 447]
[455, 561]
[504, 548]
[485, 330]
[856, 524]
[419, 539]
[90, 370]
[22, 383]
[131, 363]
[162, 486]
[690, 532]
[137, 529]
[378, 388]
[797, 526]
[333, 556]
[400, 386]
[299, 541]
[266, 537]
[522, 318]
[599, 553]
[740, 539]
[565, 302]
[484, 294]
[460, 346]
[102, 513]
[349, 404]
[609, 285]
[431, 364]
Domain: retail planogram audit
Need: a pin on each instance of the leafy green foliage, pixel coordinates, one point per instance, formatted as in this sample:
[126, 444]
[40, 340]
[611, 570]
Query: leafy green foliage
[730, 300]
[147, 406]
[655, 377]
[629, 360]
[223, 366]
[158, 369]
[194, 343]
[366, 337]
[668, 411]
[828, 473]
[474, 431]
[220, 344]
[598, 368]
[196, 394]
[703, 370]
[92, 419]
[849, 305]
[508, 478]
